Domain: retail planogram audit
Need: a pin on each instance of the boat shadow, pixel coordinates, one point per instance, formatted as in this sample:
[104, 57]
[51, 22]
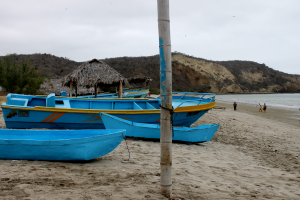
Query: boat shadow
[158, 140]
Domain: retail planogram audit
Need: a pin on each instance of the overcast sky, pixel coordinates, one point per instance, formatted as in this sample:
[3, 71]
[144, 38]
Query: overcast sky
[263, 31]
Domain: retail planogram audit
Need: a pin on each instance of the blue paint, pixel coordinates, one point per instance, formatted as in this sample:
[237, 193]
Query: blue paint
[75, 113]
[162, 57]
[163, 75]
[127, 93]
[202, 133]
[58, 144]
[50, 101]
[63, 94]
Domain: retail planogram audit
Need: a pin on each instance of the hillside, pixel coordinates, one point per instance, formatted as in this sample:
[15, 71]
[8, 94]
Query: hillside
[48, 65]
[200, 75]
[189, 73]
[240, 76]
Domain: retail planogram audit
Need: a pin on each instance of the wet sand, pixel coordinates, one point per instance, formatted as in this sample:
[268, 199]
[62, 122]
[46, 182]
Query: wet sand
[252, 156]
[289, 116]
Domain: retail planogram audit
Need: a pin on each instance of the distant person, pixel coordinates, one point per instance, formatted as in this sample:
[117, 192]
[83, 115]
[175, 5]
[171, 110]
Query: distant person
[260, 107]
[234, 105]
[265, 107]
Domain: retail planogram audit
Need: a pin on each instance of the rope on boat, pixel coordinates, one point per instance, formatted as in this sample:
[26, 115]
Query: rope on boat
[127, 149]
[171, 113]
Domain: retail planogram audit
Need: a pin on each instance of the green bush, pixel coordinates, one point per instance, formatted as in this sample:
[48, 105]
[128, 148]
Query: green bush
[154, 91]
[19, 77]
[108, 88]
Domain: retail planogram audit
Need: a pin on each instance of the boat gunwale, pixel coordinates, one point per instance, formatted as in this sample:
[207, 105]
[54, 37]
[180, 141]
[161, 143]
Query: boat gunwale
[142, 91]
[77, 140]
[86, 98]
[195, 108]
[156, 126]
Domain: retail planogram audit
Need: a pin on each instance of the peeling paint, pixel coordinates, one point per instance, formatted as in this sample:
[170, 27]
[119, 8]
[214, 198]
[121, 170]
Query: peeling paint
[162, 71]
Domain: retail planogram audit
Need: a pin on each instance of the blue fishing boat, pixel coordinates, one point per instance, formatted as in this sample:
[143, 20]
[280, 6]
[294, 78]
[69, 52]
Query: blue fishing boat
[58, 144]
[29, 111]
[135, 93]
[127, 93]
[201, 133]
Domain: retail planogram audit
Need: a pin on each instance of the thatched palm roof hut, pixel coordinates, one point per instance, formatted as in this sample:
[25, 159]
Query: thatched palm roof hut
[94, 73]
[54, 85]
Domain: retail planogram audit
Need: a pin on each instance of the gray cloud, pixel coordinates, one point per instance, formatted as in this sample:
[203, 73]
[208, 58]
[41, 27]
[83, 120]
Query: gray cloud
[261, 31]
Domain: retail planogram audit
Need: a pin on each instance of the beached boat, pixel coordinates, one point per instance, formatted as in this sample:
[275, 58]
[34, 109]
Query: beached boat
[58, 144]
[127, 93]
[29, 111]
[201, 133]
[135, 93]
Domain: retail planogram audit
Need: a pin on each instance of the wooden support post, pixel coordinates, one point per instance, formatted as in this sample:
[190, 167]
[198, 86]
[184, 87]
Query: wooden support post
[166, 97]
[71, 89]
[96, 92]
[76, 90]
[120, 90]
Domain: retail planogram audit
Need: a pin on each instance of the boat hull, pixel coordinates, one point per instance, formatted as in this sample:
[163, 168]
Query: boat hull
[58, 144]
[29, 111]
[202, 133]
[62, 119]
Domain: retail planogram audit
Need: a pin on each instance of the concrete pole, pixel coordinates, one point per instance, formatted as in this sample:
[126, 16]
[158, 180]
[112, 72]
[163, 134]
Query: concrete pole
[166, 97]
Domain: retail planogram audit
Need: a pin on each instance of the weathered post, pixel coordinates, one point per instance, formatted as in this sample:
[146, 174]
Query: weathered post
[120, 90]
[71, 88]
[166, 97]
[76, 90]
[95, 88]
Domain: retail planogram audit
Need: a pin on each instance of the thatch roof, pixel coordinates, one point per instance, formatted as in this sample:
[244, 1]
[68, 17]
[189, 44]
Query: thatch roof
[54, 85]
[94, 72]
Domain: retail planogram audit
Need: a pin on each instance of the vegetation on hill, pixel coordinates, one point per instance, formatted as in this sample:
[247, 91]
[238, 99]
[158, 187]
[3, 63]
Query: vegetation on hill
[19, 76]
[192, 79]
[270, 76]
[189, 73]
[49, 65]
[182, 76]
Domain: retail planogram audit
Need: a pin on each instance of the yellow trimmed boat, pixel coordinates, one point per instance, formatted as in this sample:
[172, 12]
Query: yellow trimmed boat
[29, 111]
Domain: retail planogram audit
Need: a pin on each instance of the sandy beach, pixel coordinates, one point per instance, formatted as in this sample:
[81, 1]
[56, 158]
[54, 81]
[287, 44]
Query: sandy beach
[252, 156]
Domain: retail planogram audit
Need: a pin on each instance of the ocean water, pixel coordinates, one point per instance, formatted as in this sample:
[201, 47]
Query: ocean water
[289, 101]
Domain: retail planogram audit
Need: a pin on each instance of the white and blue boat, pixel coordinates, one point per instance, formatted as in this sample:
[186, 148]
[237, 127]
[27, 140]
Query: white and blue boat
[58, 144]
[201, 133]
[135, 93]
[127, 93]
[29, 111]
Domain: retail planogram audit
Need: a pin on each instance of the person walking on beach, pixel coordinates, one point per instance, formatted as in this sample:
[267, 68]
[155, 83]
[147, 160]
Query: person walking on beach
[260, 108]
[234, 105]
[265, 107]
